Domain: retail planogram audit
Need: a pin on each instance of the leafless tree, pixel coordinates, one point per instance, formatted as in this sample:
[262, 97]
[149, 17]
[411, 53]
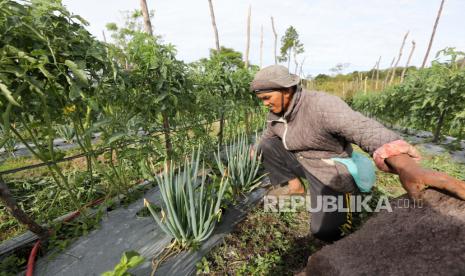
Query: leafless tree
[215, 29]
[433, 34]
[275, 40]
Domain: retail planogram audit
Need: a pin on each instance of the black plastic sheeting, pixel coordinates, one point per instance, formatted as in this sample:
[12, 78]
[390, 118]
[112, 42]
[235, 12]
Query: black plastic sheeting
[122, 230]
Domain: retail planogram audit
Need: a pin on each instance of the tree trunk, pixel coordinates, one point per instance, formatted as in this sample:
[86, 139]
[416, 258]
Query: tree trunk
[10, 204]
[437, 131]
[301, 66]
[220, 133]
[377, 74]
[398, 58]
[166, 130]
[261, 47]
[295, 61]
[408, 62]
[215, 29]
[247, 47]
[289, 59]
[463, 64]
[275, 40]
[146, 15]
[432, 35]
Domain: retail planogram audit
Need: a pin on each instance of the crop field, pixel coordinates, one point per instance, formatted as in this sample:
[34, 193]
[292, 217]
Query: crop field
[90, 126]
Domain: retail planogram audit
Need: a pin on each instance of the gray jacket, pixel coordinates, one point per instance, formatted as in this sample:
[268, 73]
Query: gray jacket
[318, 126]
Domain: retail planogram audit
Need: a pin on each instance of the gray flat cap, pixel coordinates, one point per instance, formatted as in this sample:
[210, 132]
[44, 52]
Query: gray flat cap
[273, 77]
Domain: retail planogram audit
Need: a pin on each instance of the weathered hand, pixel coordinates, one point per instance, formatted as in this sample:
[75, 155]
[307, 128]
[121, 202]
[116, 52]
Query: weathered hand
[252, 152]
[414, 178]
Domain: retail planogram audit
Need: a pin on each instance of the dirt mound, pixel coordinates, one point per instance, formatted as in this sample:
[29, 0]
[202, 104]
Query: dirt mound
[408, 241]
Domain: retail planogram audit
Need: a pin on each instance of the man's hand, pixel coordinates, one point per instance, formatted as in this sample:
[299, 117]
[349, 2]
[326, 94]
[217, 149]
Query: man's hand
[414, 178]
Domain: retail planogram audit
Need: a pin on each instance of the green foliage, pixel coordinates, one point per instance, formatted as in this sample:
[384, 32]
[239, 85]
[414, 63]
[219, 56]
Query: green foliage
[191, 206]
[430, 99]
[11, 265]
[129, 260]
[290, 42]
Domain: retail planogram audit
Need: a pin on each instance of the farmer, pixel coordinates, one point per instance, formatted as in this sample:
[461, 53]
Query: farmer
[309, 134]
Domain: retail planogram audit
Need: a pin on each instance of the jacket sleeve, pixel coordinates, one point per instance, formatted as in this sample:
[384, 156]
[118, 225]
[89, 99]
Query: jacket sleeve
[340, 120]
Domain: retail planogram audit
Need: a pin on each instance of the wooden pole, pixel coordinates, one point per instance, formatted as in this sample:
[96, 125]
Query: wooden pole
[408, 62]
[10, 204]
[365, 85]
[432, 34]
[104, 36]
[145, 14]
[387, 73]
[275, 40]
[398, 58]
[301, 66]
[374, 71]
[166, 123]
[261, 47]
[247, 47]
[215, 29]
[296, 62]
[377, 73]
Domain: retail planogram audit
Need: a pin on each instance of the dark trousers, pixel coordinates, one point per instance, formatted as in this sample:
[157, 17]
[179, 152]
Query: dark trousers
[283, 166]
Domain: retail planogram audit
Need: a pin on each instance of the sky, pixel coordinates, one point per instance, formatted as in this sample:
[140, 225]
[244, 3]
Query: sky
[356, 32]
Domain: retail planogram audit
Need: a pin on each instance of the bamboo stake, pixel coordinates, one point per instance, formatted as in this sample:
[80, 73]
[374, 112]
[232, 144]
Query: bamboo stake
[275, 40]
[408, 62]
[432, 35]
[360, 81]
[374, 71]
[387, 74]
[261, 47]
[398, 58]
[365, 85]
[377, 73]
[247, 48]
[10, 204]
[215, 29]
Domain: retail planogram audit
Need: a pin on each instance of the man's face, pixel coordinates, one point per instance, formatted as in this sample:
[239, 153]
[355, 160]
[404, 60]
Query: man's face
[273, 99]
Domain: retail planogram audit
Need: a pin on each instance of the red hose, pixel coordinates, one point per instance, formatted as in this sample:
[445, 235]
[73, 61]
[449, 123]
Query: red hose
[32, 259]
[32, 256]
